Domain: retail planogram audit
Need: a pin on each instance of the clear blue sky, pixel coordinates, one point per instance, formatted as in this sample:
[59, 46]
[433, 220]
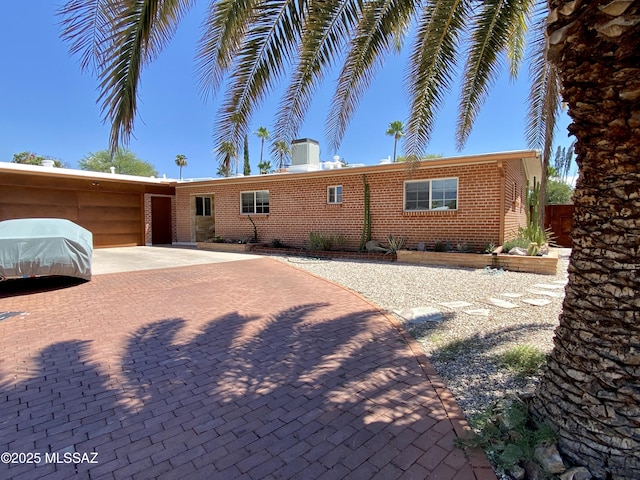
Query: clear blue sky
[48, 106]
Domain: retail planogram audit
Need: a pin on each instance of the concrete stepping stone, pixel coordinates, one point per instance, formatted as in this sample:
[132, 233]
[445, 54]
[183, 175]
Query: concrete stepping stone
[548, 293]
[561, 282]
[480, 312]
[419, 315]
[538, 302]
[550, 286]
[498, 302]
[512, 295]
[455, 304]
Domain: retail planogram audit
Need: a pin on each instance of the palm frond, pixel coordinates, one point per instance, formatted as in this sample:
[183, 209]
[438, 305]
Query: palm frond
[118, 39]
[223, 32]
[322, 42]
[376, 36]
[544, 94]
[268, 49]
[489, 39]
[432, 63]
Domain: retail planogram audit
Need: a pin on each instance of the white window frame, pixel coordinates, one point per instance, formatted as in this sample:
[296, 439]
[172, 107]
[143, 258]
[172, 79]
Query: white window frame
[430, 181]
[202, 198]
[337, 198]
[255, 204]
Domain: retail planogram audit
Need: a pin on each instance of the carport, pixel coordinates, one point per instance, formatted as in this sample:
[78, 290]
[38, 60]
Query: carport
[120, 210]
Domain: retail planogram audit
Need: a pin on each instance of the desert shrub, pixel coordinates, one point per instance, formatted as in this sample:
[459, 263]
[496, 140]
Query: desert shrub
[326, 241]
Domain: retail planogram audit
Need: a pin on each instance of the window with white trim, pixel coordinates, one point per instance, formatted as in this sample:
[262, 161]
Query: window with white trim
[203, 206]
[334, 194]
[424, 195]
[254, 202]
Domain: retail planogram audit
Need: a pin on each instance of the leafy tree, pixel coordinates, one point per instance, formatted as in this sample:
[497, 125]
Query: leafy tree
[265, 167]
[181, 161]
[395, 130]
[282, 151]
[263, 134]
[562, 161]
[247, 166]
[588, 391]
[124, 161]
[558, 192]
[29, 158]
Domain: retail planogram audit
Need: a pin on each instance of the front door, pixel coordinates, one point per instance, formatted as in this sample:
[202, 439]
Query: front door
[161, 221]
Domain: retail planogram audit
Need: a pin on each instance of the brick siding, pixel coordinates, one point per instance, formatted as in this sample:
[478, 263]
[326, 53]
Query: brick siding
[298, 205]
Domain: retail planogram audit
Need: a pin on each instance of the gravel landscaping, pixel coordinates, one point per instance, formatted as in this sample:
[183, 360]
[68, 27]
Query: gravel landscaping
[464, 348]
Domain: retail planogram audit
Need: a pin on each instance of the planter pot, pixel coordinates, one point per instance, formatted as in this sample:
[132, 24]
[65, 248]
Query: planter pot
[547, 265]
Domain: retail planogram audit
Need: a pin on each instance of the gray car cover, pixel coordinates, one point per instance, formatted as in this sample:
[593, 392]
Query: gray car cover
[44, 246]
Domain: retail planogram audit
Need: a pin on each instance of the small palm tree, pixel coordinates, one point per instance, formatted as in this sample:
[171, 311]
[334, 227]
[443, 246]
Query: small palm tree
[265, 167]
[396, 130]
[226, 152]
[263, 134]
[281, 150]
[181, 161]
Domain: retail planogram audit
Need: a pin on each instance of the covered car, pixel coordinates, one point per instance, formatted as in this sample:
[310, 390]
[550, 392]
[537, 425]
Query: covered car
[34, 247]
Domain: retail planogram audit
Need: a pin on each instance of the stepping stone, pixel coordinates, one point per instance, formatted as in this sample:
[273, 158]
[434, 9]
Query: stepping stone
[561, 282]
[480, 312]
[455, 304]
[512, 295]
[547, 293]
[501, 303]
[538, 302]
[419, 315]
[550, 286]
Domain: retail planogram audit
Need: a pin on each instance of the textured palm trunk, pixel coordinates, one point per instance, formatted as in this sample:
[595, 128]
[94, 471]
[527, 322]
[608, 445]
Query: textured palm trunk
[591, 389]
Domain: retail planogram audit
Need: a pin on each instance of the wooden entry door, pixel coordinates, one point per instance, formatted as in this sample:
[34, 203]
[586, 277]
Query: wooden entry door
[161, 221]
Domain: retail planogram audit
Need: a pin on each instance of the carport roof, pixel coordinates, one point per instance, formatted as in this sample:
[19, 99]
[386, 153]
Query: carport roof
[38, 170]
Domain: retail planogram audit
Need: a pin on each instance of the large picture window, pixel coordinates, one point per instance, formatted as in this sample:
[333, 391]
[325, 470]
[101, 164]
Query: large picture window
[441, 194]
[203, 206]
[254, 202]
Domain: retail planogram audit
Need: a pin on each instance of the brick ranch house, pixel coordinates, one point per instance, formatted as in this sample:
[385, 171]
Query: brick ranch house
[468, 200]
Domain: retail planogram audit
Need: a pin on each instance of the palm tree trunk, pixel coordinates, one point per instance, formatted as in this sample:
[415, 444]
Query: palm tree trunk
[590, 391]
[395, 144]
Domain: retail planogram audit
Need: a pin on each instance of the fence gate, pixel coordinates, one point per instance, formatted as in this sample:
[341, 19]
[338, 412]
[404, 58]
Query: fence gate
[559, 218]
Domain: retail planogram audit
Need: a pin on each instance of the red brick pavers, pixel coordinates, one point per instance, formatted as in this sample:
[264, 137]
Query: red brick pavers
[239, 370]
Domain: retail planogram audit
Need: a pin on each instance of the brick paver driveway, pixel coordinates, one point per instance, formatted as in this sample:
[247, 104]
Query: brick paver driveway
[248, 369]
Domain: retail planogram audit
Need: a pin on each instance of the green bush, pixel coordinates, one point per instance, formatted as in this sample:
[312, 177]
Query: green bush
[523, 360]
[326, 241]
[515, 242]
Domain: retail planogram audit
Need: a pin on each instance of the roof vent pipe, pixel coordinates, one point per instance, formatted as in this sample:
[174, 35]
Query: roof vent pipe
[48, 163]
[113, 170]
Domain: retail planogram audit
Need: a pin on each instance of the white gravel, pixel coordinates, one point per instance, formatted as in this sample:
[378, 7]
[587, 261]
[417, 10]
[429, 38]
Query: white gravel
[463, 348]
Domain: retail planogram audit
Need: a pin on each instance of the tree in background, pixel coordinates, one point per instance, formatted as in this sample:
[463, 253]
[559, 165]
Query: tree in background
[30, 158]
[181, 161]
[227, 153]
[247, 166]
[124, 161]
[280, 149]
[265, 167]
[396, 130]
[563, 161]
[263, 134]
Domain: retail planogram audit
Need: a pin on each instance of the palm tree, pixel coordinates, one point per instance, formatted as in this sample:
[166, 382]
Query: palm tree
[589, 391]
[281, 150]
[181, 161]
[263, 134]
[227, 152]
[396, 130]
[265, 167]
[246, 170]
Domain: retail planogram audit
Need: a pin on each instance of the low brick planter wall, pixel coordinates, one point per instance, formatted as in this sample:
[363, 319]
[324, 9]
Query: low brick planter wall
[547, 265]
[225, 247]
[377, 256]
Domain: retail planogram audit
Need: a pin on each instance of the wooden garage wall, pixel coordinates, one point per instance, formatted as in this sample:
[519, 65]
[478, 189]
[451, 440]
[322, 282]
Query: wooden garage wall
[113, 212]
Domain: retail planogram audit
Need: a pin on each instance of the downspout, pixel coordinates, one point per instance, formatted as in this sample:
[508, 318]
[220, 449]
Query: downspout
[502, 201]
